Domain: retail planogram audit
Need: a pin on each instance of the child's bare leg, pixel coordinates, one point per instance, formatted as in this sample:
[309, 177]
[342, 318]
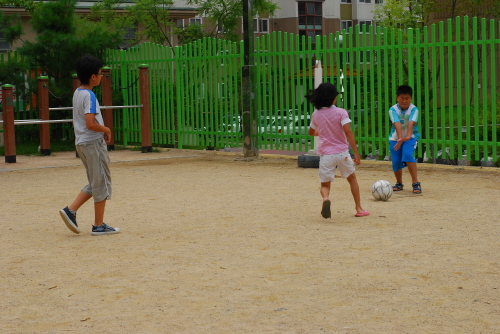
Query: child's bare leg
[79, 201]
[399, 176]
[412, 168]
[325, 190]
[353, 182]
[99, 212]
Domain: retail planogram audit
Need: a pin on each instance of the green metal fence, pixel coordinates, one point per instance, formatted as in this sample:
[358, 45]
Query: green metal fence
[196, 94]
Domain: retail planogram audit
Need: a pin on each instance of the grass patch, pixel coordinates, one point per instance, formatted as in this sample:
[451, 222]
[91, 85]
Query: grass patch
[31, 148]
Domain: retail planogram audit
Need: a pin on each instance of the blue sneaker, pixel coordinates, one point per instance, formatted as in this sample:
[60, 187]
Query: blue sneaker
[69, 218]
[104, 229]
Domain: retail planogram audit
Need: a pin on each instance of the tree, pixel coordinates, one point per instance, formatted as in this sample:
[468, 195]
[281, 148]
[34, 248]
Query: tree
[153, 15]
[227, 15]
[59, 43]
[403, 14]
[472, 8]
[158, 26]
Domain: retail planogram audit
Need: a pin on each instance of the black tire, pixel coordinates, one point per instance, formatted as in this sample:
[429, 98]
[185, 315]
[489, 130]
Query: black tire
[308, 161]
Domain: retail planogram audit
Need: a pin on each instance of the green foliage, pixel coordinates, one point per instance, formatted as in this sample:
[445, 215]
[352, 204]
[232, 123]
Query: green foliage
[472, 8]
[10, 26]
[55, 16]
[11, 72]
[107, 14]
[228, 13]
[31, 147]
[402, 14]
[59, 43]
[154, 15]
[29, 5]
[189, 34]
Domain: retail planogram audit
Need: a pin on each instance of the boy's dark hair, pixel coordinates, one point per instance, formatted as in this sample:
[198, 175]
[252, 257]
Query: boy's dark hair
[322, 96]
[86, 66]
[404, 89]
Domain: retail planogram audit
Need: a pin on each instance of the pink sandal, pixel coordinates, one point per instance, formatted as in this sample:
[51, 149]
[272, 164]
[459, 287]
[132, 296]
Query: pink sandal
[362, 214]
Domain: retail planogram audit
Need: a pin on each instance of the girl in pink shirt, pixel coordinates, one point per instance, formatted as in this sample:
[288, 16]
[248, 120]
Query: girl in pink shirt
[332, 125]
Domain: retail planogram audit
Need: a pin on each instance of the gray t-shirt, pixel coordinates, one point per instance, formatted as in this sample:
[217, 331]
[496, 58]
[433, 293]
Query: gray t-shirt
[85, 102]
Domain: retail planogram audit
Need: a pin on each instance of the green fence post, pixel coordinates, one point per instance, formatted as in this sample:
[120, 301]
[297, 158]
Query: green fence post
[458, 71]
[493, 89]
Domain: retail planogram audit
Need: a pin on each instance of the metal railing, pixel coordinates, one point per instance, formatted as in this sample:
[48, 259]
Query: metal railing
[39, 121]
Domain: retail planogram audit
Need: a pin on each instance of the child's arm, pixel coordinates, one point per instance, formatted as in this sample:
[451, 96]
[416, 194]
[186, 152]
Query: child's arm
[409, 131]
[92, 125]
[313, 132]
[352, 141]
[399, 133]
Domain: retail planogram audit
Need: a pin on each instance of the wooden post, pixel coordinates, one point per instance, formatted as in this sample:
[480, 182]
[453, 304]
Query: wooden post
[107, 100]
[145, 110]
[8, 124]
[43, 105]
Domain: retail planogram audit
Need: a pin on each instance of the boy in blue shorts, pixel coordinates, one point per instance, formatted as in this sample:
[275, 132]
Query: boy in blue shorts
[332, 125]
[91, 137]
[404, 138]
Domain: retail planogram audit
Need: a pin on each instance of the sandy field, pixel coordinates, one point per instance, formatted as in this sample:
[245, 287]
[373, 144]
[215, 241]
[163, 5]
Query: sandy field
[212, 242]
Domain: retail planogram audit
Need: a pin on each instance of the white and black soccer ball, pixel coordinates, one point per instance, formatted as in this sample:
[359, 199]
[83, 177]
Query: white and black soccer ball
[382, 190]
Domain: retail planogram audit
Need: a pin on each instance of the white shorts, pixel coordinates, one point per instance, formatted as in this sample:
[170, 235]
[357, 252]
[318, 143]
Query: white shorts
[328, 164]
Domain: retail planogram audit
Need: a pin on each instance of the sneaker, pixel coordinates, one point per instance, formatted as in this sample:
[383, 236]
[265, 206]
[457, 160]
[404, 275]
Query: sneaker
[104, 229]
[69, 218]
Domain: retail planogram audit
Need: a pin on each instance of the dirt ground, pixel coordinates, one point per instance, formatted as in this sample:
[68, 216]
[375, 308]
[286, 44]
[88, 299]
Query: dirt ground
[215, 243]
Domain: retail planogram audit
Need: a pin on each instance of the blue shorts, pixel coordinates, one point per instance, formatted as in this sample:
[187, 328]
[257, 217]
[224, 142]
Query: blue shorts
[405, 153]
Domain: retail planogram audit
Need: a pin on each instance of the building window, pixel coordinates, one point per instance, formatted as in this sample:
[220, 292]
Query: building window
[195, 20]
[264, 25]
[220, 28]
[259, 26]
[379, 1]
[310, 19]
[345, 25]
[366, 1]
[261, 57]
[364, 25]
[180, 23]
[128, 37]
[364, 57]
[223, 90]
[223, 55]
[345, 1]
[4, 44]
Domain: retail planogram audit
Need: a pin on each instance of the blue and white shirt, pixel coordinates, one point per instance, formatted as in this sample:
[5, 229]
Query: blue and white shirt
[85, 102]
[404, 117]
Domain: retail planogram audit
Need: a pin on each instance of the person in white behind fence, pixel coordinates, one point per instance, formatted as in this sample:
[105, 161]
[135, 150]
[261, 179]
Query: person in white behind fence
[91, 137]
[332, 125]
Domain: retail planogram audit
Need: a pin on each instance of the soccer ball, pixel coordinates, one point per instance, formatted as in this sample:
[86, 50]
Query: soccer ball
[382, 190]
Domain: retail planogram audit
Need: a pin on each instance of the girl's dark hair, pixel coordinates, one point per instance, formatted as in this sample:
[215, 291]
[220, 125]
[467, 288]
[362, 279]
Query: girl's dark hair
[322, 96]
[86, 66]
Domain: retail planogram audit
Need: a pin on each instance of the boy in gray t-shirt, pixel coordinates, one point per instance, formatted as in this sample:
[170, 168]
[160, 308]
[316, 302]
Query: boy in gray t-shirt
[91, 137]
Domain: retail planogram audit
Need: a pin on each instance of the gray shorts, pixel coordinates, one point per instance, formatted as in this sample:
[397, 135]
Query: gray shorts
[95, 158]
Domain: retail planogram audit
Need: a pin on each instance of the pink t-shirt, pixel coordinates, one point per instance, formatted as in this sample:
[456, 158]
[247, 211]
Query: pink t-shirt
[329, 123]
